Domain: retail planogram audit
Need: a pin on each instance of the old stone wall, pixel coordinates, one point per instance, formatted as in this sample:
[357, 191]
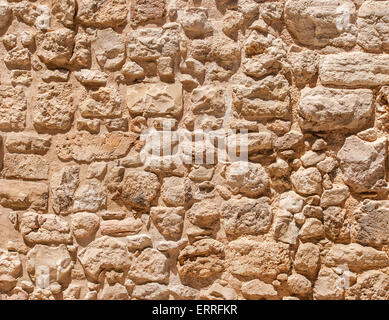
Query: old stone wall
[84, 216]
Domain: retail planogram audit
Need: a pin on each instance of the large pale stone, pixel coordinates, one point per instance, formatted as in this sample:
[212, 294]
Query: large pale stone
[247, 178]
[53, 109]
[307, 181]
[85, 147]
[46, 265]
[204, 213]
[102, 14]
[10, 270]
[103, 103]
[258, 290]
[63, 184]
[264, 99]
[247, 216]
[356, 257]
[13, 107]
[120, 228]
[139, 188]
[169, 221]
[22, 166]
[151, 100]
[363, 163]
[373, 26]
[258, 260]
[307, 260]
[21, 195]
[85, 226]
[147, 11]
[90, 196]
[323, 109]
[150, 266]
[202, 260]
[371, 225]
[55, 48]
[322, 22]
[45, 229]
[105, 253]
[28, 143]
[110, 50]
[328, 285]
[354, 69]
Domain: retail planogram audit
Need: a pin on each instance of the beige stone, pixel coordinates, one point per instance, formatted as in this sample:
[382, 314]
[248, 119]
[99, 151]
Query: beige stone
[44, 229]
[108, 13]
[139, 188]
[29, 167]
[105, 253]
[150, 266]
[246, 216]
[323, 109]
[356, 257]
[13, 107]
[258, 290]
[354, 69]
[307, 260]
[10, 270]
[53, 109]
[150, 100]
[22, 195]
[169, 221]
[258, 260]
[82, 146]
[319, 23]
[362, 163]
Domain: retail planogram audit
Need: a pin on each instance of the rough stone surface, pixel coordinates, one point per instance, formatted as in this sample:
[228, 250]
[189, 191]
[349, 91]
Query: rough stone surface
[123, 165]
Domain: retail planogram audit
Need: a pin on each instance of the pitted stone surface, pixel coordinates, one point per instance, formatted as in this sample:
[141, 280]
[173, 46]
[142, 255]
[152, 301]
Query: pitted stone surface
[123, 169]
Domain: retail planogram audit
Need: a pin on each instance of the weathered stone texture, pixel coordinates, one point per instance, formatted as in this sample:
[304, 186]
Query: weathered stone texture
[175, 149]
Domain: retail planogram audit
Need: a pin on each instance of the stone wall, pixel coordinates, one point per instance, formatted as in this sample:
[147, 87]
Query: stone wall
[83, 216]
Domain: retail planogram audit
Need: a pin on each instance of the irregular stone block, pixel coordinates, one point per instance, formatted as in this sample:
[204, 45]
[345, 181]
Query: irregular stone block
[120, 228]
[247, 216]
[322, 22]
[371, 224]
[21, 195]
[151, 100]
[322, 109]
[104, 253]
[103, 103]
[54, 107]
[28, 144]
[258, 260]
[363, 163]
[110, 50]
[47, 265]
[373, 26]
[356, 257]
[10, 270]
[150, 266]
[29, 167]
[102, 14]
[13, 107]
[55, 48]
[63, 184]
[147, 11]
[354, 69]
[202, 260]
[84, 147]
[168, 221]
[45, 229]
